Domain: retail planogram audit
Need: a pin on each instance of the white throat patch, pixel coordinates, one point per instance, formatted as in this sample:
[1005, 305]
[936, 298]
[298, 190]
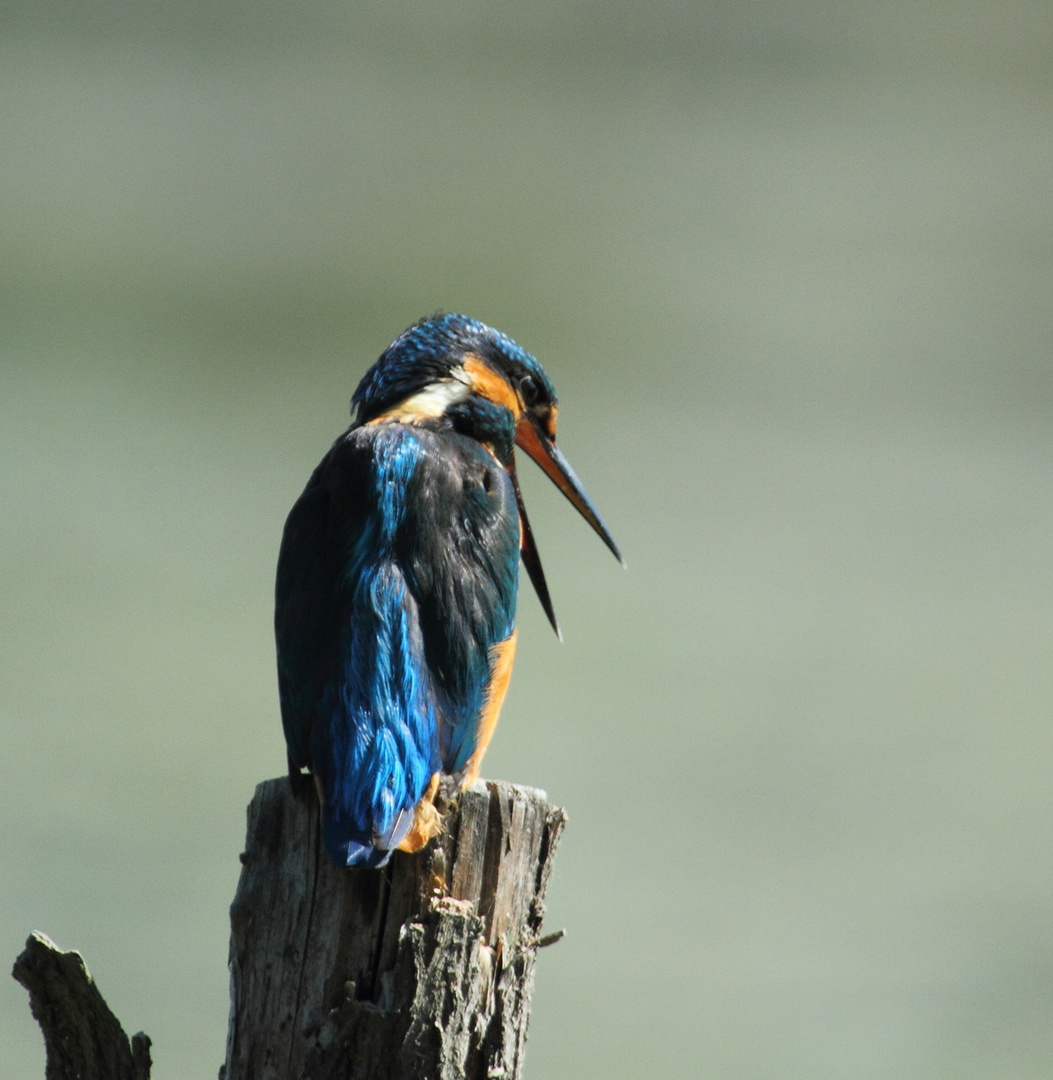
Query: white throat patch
[431, 402]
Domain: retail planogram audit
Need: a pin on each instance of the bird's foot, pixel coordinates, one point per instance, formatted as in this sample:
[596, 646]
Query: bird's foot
[427, 821]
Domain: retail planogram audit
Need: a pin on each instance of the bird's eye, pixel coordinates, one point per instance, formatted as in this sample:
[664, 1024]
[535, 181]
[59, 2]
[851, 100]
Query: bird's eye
[528, 390]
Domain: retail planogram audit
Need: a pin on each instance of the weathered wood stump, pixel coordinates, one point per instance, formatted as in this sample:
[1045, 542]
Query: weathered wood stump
[421, 969]
[82, 1038]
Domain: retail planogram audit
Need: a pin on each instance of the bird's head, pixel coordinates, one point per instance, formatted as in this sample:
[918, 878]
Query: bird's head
[450, 367]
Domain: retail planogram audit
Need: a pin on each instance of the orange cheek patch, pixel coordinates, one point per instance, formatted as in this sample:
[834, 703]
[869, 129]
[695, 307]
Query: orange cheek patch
[489, 384]
[503, 654]
[550, 421]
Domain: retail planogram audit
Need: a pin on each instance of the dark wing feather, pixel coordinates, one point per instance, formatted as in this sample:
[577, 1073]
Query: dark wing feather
[305, 612]
[460, 551]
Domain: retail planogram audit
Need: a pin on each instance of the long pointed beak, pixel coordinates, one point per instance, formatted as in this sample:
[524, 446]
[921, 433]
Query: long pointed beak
[529, 553]
[545, 452]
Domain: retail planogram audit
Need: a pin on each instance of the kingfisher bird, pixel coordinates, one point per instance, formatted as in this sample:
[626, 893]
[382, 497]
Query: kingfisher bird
[397, 581]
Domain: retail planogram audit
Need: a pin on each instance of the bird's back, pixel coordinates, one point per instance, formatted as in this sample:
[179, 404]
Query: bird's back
[396, 591]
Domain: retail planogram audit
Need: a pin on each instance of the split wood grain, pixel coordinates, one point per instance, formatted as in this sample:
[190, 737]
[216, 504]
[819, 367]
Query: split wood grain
[421, 969]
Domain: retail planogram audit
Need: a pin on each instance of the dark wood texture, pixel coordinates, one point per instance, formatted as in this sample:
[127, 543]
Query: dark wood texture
[421, 969]
[82, 1038]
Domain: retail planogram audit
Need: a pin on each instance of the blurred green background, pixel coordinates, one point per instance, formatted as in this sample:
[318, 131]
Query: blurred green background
[790, 267]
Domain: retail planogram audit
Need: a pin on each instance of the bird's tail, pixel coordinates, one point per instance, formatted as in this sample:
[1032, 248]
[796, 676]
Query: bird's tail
[350, 845]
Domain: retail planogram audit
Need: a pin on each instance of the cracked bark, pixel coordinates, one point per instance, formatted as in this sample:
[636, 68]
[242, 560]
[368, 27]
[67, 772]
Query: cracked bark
[422, 969]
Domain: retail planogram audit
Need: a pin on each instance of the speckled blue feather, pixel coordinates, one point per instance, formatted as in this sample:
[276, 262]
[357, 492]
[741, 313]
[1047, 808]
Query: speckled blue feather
[427, 351]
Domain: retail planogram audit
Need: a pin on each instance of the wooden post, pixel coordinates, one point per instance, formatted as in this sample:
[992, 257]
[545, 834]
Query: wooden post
[423, 969]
